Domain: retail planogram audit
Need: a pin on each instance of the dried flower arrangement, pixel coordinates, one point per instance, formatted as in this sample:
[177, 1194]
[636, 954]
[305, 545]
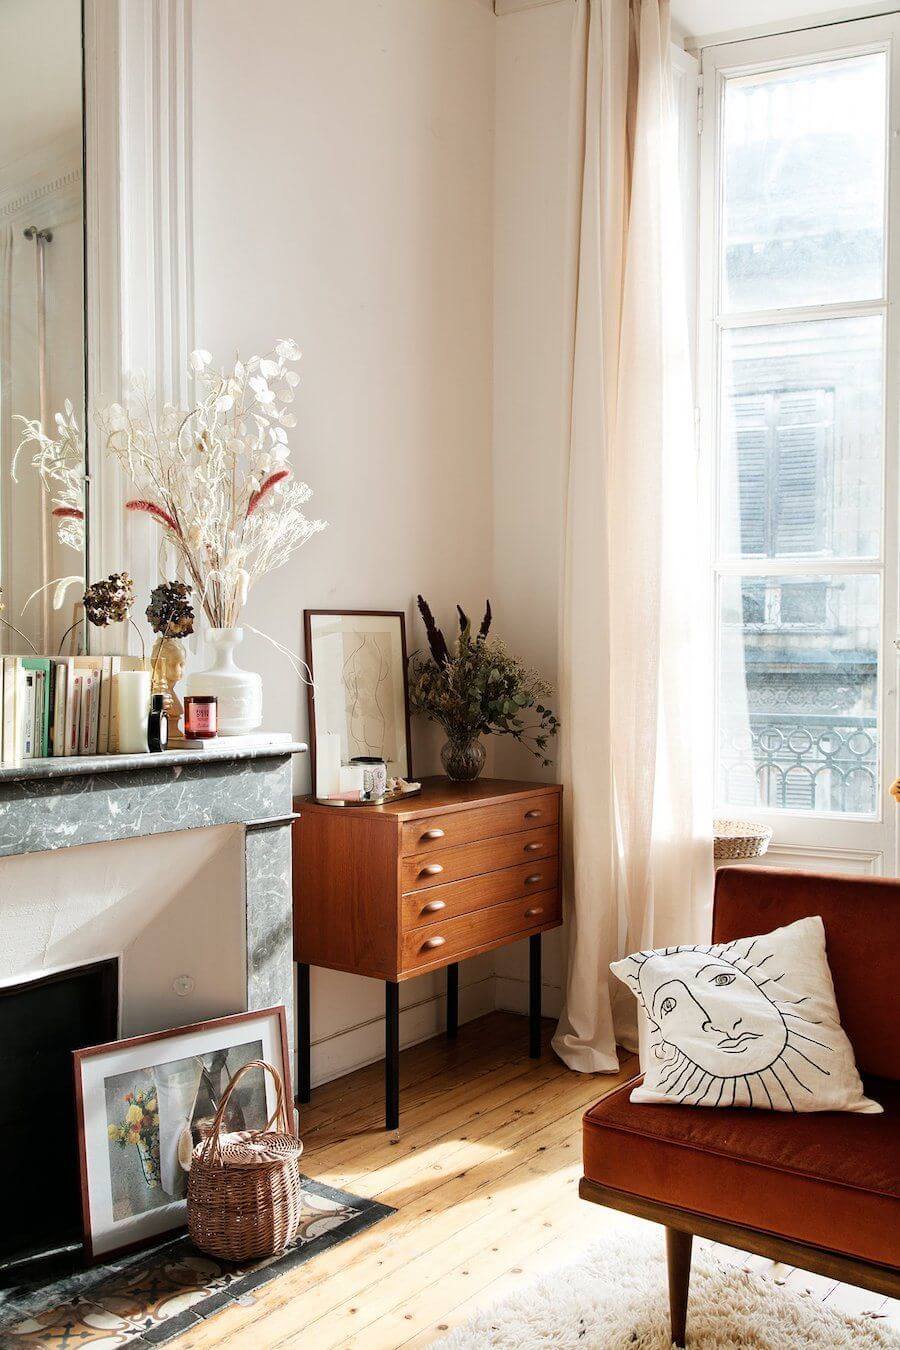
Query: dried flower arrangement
[59, 461]
[216, 477]
[479, 689]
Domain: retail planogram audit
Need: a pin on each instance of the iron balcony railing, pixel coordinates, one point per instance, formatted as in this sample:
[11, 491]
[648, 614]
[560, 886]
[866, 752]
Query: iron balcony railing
[801, 762]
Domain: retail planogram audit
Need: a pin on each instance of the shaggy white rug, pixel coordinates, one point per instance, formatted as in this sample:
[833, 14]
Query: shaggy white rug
[614, 1298]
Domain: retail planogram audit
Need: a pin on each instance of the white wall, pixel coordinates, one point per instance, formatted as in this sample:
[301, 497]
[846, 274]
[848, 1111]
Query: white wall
[532, 48]
[344, 167]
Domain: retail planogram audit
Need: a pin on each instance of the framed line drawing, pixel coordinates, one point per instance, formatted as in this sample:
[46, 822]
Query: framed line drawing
[359, 689]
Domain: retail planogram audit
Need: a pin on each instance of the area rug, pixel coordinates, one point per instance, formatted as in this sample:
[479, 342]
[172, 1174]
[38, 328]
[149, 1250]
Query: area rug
[614, 1298]
[149, 1297]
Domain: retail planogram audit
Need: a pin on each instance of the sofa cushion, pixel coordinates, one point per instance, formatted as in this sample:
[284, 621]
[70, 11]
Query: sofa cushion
[832, 1180]
[751, 1022]
[862, 937]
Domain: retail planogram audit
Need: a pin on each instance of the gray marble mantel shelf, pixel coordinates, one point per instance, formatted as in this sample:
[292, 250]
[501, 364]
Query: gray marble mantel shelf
[64, 766]
[57, 804]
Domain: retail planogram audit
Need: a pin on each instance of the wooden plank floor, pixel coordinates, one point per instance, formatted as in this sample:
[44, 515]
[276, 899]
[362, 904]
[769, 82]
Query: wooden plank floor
[483, 1174]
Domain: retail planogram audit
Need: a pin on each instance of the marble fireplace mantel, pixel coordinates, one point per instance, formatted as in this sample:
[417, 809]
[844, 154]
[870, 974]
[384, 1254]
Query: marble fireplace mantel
[52, 804]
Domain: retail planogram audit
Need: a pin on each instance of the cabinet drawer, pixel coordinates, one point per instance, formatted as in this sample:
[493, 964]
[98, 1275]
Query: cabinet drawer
[437, 903]
[440, 943]
[481, 822]
[470, 860]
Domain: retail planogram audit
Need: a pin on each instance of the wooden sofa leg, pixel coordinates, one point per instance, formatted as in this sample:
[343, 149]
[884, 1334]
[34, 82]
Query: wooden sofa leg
[678, 1256]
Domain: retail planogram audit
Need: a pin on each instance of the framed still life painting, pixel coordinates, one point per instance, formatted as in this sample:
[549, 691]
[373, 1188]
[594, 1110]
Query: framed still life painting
[358, 690]
[142, 1104]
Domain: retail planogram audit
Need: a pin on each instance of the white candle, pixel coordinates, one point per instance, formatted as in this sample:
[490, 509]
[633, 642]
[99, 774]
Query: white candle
[133, 694]
[328, 764]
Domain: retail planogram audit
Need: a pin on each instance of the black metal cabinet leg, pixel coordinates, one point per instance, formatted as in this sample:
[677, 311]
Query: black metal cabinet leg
[303, 1033]
[452, 1001]
[391, 1056]
[534, 996]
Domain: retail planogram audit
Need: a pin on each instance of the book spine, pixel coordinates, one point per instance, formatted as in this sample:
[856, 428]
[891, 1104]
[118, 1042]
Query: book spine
[59, 709]
[84, 735]
[26, 717]
[75, 731]
[105, 706]
[96, 699]
[40, 721]
[70, 743]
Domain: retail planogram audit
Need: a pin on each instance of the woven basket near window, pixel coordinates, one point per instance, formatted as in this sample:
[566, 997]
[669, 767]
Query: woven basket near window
[736, 839]
[244, 1188]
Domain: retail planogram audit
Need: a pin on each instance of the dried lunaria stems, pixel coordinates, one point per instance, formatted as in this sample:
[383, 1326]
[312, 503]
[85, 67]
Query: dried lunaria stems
[59, 460]
[216, 476]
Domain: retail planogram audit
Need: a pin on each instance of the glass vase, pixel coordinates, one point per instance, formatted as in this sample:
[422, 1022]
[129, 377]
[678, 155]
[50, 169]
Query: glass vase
[463, 758]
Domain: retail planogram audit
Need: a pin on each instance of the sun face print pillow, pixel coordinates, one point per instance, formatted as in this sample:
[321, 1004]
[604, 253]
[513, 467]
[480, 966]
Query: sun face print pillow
[752, 1022]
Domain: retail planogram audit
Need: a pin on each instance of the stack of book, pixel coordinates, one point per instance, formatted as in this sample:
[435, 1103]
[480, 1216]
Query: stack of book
[60, 706]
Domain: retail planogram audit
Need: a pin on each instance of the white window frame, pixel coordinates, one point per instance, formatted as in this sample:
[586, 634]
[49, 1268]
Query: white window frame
[840, 842]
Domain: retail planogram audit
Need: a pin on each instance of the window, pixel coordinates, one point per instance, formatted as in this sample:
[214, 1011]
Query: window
[794, 285]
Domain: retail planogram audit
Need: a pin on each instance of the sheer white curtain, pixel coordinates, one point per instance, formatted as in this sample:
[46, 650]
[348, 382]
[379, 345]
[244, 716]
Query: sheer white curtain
[636, 669]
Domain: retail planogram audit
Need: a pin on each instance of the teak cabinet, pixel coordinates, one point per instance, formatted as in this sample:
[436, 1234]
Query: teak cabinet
[399, 890]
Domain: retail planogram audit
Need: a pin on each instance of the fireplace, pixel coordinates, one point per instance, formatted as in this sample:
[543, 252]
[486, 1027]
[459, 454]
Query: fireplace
[41, 1023]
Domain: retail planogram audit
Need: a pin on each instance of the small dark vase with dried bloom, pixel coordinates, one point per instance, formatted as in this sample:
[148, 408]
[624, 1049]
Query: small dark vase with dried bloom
[478, 689]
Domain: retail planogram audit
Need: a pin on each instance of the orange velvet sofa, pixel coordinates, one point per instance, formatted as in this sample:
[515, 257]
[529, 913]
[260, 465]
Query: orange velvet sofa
[820, 1191]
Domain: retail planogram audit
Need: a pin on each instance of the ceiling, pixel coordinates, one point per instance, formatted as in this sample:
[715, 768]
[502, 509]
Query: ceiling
[40, 73]
[697, 18]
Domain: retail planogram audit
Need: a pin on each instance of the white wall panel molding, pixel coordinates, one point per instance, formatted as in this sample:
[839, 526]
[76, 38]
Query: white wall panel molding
[140, 234]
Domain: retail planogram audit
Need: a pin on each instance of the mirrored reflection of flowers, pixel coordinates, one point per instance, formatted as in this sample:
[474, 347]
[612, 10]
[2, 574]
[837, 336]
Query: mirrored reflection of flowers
[139, 1127]
[59, 460]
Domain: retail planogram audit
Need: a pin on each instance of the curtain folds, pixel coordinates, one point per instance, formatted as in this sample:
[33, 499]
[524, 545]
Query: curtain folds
[636, 663]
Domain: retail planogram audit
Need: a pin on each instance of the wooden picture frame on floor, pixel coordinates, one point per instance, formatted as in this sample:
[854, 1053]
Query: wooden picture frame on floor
[143, 1103]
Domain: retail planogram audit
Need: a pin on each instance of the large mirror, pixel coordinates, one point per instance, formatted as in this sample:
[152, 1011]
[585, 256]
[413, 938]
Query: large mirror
[42, 337]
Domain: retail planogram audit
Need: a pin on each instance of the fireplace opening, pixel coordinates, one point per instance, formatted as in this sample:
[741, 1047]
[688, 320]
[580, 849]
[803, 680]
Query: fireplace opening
[41, 1023]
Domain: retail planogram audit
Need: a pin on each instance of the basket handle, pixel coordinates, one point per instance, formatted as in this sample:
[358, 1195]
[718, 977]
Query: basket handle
[212, 1148]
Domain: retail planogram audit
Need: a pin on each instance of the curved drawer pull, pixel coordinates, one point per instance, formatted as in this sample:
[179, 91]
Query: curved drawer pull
[432, 870]
[434, 907]
[533, 815]
[532, 847]
[531, 913]
[430, 945]
[432, 834]
[535, 876]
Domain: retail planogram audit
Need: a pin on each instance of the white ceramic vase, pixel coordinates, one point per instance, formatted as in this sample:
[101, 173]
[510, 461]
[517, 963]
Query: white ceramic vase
[238, 692]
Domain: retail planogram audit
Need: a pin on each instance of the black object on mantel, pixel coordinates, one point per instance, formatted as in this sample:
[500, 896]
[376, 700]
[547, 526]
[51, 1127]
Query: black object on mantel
[157, 725]
[41, 1023]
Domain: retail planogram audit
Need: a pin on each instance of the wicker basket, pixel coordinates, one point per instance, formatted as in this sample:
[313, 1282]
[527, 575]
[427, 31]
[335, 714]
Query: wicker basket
[244, 1188]
[734, 839]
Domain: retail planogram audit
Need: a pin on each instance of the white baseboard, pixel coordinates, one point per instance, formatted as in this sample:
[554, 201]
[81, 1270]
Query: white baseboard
[354, 1047]
[511, 994]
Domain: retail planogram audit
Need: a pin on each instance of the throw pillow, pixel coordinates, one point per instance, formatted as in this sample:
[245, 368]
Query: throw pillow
[753, 1022]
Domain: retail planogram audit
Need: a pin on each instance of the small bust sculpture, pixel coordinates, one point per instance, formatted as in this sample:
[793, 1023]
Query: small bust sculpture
[171, 615]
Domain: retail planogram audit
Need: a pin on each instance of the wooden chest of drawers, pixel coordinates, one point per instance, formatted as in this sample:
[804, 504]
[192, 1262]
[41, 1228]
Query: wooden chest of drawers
[395, 891]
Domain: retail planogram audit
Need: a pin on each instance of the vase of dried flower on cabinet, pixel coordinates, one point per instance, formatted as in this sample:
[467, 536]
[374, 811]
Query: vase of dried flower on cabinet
[477, 688]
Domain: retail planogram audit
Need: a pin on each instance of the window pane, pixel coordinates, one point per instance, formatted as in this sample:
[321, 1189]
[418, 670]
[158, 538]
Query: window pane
[803, 172]
[798, 680]
[802, 427]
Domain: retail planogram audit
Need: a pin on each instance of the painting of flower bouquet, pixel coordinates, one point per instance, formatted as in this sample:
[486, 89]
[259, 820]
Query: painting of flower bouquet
[156, 1116]
[139, 1127]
